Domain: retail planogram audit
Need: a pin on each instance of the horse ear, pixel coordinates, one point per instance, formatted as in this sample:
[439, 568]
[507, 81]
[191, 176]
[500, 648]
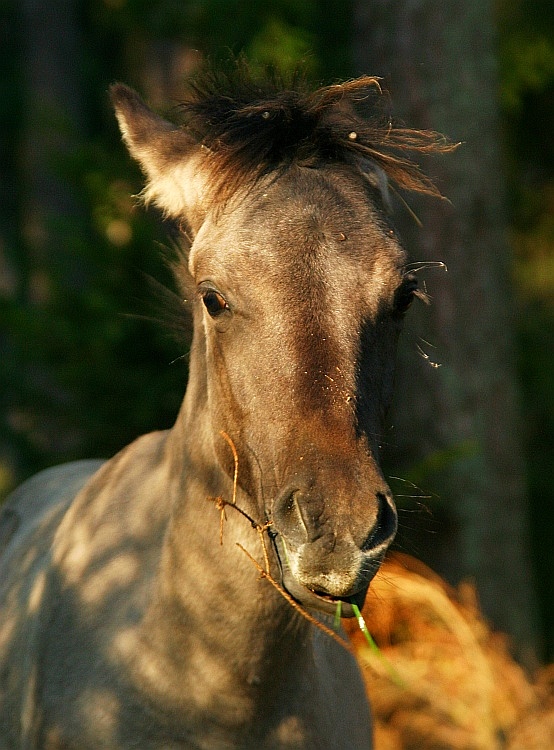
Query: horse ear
[378, 179]
[170, 158]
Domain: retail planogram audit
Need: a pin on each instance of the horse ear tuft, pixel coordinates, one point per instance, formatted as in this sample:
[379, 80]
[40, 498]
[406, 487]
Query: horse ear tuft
[167, 154]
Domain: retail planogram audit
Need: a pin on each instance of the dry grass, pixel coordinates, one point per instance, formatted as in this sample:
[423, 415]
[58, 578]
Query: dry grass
[453, 685]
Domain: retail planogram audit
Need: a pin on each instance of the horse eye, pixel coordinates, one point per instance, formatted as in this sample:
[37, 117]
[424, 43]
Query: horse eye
[405, 294]
[214, 303]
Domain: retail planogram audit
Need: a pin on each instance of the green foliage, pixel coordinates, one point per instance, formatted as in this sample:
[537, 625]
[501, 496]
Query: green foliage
[81, 376]
[536, 364]
[527, 95]
[434, 463]
[526, 50]
[280, 46]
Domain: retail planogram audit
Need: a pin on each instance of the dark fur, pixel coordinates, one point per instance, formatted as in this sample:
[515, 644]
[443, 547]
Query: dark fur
[253, 127]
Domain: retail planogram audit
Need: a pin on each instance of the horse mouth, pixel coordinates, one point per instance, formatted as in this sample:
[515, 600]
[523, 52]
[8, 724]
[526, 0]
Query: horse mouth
[311, 599]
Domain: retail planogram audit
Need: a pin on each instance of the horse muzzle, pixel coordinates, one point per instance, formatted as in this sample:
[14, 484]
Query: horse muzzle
[326, 559]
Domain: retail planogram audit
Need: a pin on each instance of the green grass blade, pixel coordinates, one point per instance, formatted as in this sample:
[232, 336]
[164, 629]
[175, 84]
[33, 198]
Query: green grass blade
[393, 674]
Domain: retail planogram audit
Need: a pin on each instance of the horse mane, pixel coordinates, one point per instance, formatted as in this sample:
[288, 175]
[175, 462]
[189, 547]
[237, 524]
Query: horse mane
[252, 127]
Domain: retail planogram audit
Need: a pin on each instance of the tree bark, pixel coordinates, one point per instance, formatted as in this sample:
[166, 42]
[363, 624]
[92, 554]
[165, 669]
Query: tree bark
[53, 127]
[456, 427]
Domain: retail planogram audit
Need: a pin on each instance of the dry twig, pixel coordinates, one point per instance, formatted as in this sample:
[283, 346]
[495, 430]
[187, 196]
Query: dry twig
[221, 504]
[294, 604]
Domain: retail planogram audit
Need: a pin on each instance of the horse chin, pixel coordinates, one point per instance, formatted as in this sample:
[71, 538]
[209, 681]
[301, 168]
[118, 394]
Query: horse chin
[316, 600]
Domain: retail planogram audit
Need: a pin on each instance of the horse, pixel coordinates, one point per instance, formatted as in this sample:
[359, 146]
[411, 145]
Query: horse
[183, 593]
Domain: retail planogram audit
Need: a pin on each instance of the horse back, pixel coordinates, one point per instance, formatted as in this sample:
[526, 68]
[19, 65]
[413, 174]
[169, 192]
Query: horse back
[32, 504]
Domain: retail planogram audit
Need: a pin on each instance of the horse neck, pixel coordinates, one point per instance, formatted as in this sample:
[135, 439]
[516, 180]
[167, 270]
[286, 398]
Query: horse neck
[211, 599]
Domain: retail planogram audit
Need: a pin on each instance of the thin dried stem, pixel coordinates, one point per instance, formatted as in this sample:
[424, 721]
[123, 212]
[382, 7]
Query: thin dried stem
[229, 441]
[219, 501]
[260, 531]
[294, 604]
[221, 504]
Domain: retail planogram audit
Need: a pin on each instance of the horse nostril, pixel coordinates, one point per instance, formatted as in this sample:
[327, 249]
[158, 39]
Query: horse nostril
[385, 525]
[294, 516]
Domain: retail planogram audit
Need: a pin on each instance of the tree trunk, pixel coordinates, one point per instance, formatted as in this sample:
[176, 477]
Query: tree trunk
[456, 427]
[54, 123]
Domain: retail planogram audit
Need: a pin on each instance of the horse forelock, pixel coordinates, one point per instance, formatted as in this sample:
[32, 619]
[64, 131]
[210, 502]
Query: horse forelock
[252, 127]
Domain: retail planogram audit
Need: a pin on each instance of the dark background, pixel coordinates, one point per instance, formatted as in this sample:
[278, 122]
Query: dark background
[81, 375]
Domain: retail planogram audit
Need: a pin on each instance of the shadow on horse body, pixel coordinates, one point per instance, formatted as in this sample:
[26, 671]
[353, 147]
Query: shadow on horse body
[130, 616]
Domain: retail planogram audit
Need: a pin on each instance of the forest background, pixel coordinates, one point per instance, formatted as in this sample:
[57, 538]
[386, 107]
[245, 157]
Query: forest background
[82, 369]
